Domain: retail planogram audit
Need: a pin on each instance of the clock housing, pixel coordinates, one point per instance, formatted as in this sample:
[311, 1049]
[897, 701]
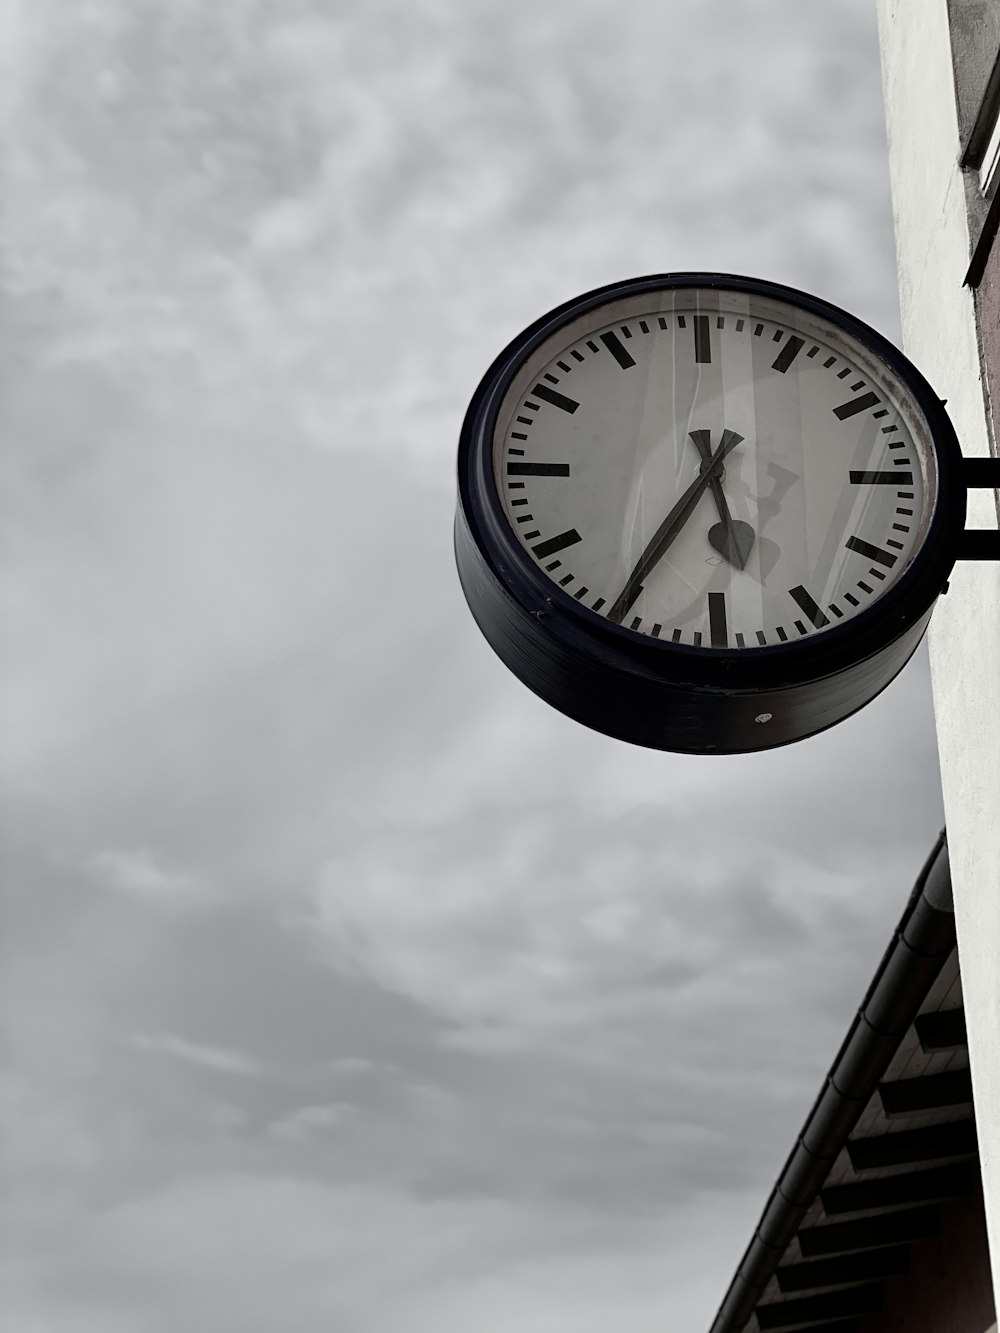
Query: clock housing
[663, 673]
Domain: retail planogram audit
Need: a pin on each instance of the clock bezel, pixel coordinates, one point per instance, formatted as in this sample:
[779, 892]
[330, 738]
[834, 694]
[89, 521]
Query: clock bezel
[889, 618]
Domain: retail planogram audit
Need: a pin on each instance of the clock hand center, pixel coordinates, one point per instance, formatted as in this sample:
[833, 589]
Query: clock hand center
[668, 531]
[732, 538]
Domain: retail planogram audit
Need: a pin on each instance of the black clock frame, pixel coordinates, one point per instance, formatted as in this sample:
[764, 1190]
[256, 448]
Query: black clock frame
[673, 696]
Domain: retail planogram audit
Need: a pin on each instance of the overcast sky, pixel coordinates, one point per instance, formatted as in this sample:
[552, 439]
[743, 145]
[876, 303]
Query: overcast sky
[346, 986]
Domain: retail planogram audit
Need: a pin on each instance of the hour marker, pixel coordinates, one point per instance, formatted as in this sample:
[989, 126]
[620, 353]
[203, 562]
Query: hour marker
[702, 344]
[810, 607]
[870, 552]
[552, 544]
[614, 345]
[717, 613]
[788, 354]
[537, 469]
[556, 399]
[856, 405]
[881, 478]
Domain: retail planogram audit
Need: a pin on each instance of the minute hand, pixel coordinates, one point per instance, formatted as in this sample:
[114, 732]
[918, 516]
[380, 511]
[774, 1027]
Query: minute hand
[667, 532]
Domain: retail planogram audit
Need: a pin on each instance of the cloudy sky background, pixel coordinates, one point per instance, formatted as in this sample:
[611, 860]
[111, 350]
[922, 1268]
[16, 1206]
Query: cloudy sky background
[344, 984]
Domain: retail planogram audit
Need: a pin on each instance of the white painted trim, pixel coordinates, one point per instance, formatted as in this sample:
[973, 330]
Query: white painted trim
[940, 335]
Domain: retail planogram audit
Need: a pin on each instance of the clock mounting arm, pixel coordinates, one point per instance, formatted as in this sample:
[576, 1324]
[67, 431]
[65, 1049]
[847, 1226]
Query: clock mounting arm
[980, 543]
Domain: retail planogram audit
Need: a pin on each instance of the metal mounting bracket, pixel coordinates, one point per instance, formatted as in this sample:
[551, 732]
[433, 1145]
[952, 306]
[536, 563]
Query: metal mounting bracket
[980, 543]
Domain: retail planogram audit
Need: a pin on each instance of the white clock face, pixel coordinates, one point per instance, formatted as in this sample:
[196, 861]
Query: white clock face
[714, 468]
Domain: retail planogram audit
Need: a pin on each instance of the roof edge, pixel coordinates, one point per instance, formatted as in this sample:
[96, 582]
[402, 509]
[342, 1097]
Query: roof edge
[919, 947]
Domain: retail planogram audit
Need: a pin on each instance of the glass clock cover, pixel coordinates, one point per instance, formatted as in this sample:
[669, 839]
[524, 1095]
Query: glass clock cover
[720, 469]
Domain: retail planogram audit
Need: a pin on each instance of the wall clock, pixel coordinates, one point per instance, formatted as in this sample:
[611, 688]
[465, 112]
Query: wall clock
[705, 513]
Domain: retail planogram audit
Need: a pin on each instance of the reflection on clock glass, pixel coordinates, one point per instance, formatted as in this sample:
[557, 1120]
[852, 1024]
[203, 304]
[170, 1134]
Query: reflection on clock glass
[713, 468]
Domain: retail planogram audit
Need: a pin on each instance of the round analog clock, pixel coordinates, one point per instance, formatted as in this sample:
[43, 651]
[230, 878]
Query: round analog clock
[705, 513]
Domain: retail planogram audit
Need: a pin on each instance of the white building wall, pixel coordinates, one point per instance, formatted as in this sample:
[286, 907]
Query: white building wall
[940, 335]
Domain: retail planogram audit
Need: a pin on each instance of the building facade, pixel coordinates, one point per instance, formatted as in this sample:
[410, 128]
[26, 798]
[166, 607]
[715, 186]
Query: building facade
[941, 75]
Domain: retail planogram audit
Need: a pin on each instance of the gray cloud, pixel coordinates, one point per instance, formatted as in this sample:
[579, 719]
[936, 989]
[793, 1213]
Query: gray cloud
[345, 983]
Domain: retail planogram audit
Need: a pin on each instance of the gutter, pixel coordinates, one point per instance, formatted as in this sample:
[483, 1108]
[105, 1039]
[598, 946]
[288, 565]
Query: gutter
[919, 947]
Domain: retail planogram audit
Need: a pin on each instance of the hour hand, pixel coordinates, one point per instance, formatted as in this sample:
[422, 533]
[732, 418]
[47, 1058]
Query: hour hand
[732, 538]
